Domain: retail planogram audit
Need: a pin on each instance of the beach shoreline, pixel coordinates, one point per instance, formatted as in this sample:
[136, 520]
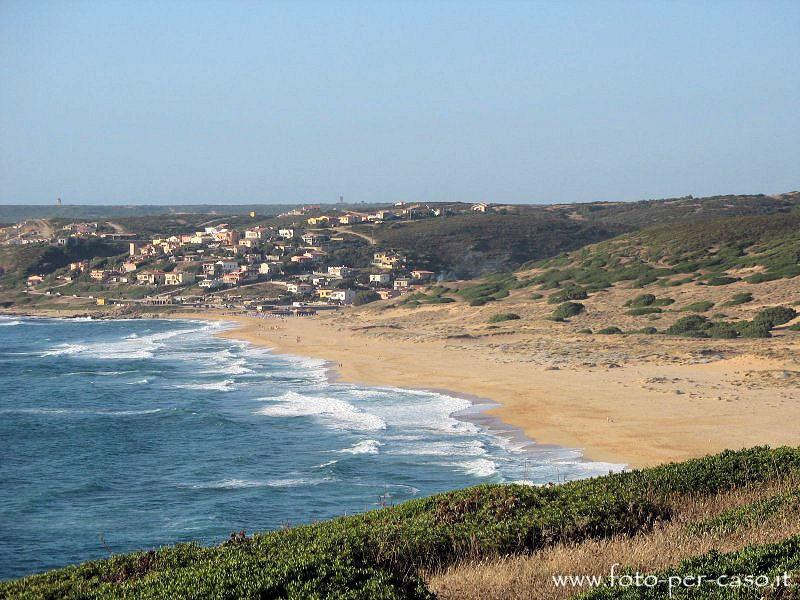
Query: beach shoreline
[681, 400]
[639, 413]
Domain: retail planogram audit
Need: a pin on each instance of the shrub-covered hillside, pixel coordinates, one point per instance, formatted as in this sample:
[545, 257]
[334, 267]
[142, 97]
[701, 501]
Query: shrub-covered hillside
[392, 552]
[18, 262]
[468, 245]
[715, 252]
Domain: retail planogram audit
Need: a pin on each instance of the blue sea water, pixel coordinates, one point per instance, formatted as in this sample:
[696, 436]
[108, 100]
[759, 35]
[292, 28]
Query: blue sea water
[131, 434]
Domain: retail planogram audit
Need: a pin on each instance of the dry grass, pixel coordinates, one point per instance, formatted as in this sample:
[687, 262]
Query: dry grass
[667, 544]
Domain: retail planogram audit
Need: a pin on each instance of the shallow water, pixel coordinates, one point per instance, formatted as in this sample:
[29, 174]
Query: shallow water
[134, 434]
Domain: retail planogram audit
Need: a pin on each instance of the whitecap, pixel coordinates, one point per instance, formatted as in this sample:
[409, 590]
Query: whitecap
[4, 323]
[480, 467]
[331, 411]
[235, 484]
[226, 385]
[443, 448]
[363, 447]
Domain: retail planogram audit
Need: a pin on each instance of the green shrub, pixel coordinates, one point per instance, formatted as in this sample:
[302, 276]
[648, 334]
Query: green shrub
[585, 330]
[775, 315]
[753, 329]
[644, 310]
[701, 306]
[493, 287]
[613, 330]
[741, 298]
[568, 309]
[641, 300]
[648, 330]
[795, 327]
[500, 317]
[721, 280]
[536, 296]
[572, 292]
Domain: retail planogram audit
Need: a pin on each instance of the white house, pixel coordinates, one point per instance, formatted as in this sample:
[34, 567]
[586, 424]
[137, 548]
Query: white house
[380, 278]
[211, 284]
[343, 296]
[269, 268]
[286, 233]
[180, 278]
[340, 271]
[298, 288]
[226, 266]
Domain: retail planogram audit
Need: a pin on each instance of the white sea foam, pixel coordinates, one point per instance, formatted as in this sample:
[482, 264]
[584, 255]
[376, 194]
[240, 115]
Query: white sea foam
[234, 484]
[414, 410]
[4, 323]
[443, 448]
[331, 411]
[480, 467]
[363, 447]
[126, 348]
[226, 385]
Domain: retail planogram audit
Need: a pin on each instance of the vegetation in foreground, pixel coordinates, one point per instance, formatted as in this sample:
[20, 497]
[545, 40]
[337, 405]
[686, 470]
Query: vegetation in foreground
[387, 553]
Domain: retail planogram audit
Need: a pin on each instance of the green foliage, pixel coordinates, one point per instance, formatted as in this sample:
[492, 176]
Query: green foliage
[741, 298]
[18, 262]
[700, 327]
[493, 287]
[749, 514]
[775, 315]
[419, 298]
[585, 330]
[613, 330]
[572, 292]
[641, 300]
[721, 280]
[468, 245]
[700, 306]
[500, 317]
[648, 330]
[644, 310]
[704, 249]
[795, 327]
[568, 309]
[377, 554]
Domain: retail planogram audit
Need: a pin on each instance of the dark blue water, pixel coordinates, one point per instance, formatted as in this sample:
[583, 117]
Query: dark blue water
[135, 434]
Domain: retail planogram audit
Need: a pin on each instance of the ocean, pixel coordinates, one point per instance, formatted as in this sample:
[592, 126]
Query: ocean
[131, 434]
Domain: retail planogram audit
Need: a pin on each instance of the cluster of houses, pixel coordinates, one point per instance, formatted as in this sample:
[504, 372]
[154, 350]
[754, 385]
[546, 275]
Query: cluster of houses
[219, 258]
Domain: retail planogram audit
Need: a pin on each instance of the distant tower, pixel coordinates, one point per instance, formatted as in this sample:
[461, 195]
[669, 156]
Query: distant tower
[341, 199]
[58, 202]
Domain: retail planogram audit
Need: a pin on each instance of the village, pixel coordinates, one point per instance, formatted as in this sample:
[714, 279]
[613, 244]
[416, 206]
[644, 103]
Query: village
[292, 269]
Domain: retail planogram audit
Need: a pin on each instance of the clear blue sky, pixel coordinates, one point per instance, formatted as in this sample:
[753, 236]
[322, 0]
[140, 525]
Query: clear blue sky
[236, 102]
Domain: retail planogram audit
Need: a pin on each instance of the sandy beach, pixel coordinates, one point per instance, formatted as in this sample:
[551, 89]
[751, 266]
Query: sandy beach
[638, 411]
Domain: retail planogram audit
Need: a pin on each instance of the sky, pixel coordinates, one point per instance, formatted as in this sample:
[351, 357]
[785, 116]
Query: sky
[113, 102]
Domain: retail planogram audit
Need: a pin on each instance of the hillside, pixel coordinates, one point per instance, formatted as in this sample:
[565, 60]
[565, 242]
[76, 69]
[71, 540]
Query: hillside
[745, 503]
[18, 262]
[469, 245]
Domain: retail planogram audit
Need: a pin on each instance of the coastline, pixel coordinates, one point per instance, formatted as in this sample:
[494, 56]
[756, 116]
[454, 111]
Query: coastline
[478, 412]
[614, 414]
[658, 405]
